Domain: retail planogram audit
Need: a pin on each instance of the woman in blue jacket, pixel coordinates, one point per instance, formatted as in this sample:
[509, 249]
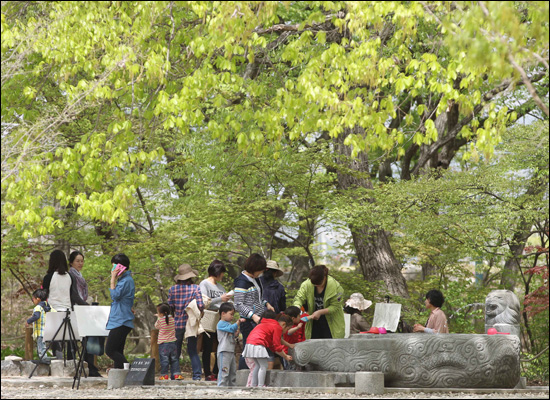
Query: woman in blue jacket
[121, 318]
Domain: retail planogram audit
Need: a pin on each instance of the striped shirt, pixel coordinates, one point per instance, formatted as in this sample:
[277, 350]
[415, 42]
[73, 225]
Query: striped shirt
[179, 296]
[167, 332]
[248, 296]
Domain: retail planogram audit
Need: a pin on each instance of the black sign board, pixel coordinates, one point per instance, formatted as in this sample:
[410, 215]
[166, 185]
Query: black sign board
[142, 372]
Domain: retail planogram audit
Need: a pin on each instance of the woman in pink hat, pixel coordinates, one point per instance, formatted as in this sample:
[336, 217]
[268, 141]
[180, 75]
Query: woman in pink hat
[355, 305]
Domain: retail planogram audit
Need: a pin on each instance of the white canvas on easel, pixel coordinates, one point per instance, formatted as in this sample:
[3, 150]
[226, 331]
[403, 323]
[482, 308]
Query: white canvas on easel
[92, 320]
[53, 321]
[387, 315]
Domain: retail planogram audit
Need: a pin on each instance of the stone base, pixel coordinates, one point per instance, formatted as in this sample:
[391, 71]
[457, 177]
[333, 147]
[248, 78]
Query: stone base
[59, 369]
[280, 378]
[522, 384]
[27, 367]
[369, 383]
[116, 378]
[11, 368]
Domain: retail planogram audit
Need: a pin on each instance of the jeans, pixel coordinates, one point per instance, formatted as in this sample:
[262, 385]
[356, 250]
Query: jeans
[191, 350]
[168, 359]
[41, 348]
[114, 347]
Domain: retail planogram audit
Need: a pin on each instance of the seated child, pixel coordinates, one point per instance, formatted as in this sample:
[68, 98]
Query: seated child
[266, 335]
[355, 305]
[38, 320]
[227, 332]
[167, 343]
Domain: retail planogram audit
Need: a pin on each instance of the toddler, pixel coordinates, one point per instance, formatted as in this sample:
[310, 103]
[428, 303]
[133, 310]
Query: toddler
[38, 320]
[227, 332]
[167, 343]
[296, 334]
[266, 335]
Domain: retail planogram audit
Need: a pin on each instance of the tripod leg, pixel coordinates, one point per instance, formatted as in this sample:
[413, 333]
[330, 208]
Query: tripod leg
[73, 344]
[80, 368]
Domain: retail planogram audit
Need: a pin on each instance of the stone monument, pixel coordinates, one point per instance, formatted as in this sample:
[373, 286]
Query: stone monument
[420, 360]
[502, 312]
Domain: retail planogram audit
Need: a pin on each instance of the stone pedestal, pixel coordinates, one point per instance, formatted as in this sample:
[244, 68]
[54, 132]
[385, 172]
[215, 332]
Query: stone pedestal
[522, 384]
[59, 369]
[27, 367]
[116, 378]
[369, 383]
[319, 379]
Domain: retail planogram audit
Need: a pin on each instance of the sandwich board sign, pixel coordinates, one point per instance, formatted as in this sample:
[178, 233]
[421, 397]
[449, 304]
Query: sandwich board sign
[142, 372]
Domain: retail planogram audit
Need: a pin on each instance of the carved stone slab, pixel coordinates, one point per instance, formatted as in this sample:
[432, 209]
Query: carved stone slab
[420, 360]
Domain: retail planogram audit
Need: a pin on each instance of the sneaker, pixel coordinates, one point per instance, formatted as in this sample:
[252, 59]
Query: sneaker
[211, 378]
[178, 377]
[164, 378]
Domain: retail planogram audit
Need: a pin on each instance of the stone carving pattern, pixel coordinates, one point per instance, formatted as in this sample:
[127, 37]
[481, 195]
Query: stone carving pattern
[421, 360]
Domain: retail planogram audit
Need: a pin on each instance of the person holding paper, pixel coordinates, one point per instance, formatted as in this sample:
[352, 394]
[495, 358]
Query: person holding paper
[121, 317]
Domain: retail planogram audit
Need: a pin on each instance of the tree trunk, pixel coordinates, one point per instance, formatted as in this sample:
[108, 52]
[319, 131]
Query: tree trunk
[373, 249]
[144, 321]
[428, 269]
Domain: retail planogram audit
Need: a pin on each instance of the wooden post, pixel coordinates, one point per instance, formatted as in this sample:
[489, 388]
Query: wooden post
[29, 344]
[155, 348]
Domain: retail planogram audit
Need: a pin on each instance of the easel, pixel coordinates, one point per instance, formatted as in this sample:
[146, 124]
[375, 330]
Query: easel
[91, 321]
[67, 327]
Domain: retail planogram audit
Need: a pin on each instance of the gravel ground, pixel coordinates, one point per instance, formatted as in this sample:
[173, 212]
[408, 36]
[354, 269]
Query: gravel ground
[193, 392]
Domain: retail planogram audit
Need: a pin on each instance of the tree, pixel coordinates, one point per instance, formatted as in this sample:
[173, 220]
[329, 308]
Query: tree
[373, 78]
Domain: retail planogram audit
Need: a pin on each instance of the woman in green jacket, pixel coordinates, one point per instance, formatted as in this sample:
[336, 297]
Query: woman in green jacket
[321, 296]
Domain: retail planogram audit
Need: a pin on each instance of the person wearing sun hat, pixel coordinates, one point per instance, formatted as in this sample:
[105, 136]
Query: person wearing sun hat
[179, 297]
[355, 305]
[274, 293]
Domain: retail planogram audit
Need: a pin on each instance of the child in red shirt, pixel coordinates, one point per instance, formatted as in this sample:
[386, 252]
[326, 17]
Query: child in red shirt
[296, 334]
[266, 335]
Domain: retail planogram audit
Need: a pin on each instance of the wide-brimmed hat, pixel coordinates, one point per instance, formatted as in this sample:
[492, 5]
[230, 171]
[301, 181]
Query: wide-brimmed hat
[271, 264]
[185, 272]
[356, 300]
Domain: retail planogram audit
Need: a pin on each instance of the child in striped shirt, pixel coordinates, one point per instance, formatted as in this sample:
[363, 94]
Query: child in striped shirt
[167, 343]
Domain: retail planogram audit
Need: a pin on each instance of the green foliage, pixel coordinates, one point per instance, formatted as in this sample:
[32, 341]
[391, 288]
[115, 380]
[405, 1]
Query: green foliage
[13, 351]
